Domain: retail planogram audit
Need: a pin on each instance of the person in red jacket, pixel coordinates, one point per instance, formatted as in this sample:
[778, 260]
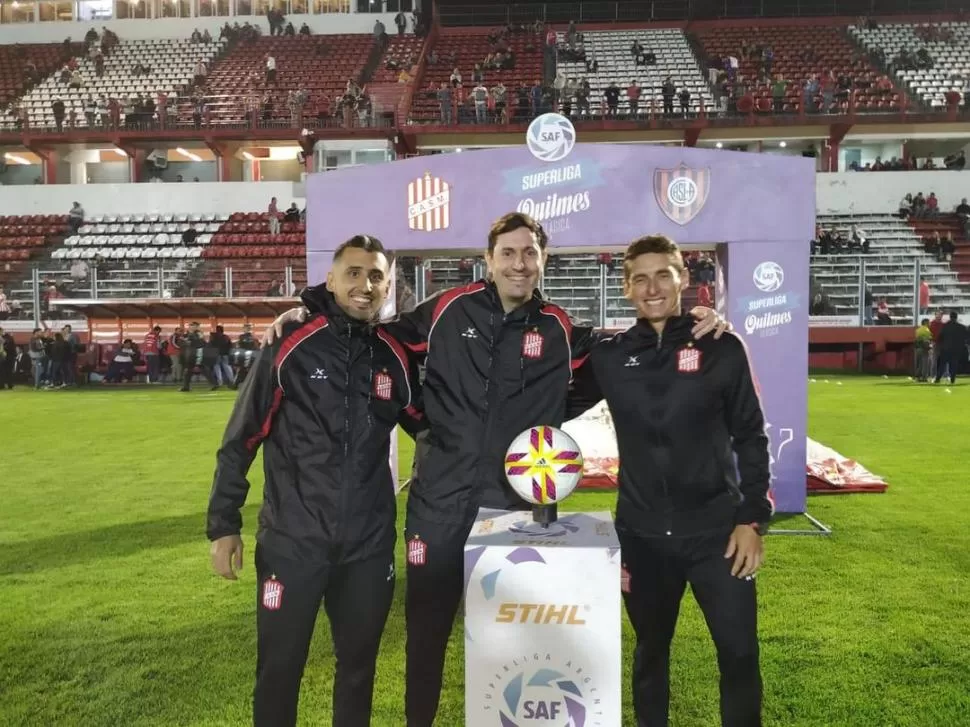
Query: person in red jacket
[149, 348]
[704, 296]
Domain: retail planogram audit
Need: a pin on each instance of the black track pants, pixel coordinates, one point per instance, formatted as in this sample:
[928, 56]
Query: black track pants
[659, 569]
[357, 597]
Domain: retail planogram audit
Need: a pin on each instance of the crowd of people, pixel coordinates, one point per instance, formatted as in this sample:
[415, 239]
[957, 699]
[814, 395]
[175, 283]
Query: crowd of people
[956, 162]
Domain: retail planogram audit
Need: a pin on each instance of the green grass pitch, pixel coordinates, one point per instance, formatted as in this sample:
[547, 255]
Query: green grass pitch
[110, 615]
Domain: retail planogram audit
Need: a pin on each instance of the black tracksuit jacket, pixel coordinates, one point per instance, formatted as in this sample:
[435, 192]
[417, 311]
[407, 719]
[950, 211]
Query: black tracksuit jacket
[489, 375]
[322, 401]
[682, 409]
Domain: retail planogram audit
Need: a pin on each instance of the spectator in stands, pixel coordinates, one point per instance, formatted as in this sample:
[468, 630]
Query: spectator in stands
[290, 30]
[77, 80]
[932, 208]
[947, 248]
[684, 97]
[274, 289]
[401, 21]
[4, 305]
[535, 97]
[906, 206]
[292, 213]
[633, 97]
[883, 316]
[57, 108]
[705, 295]
[668, 90]
[480, 98]
[956, 161]
[75, 218]
[270, 70]
[273, 217]
[924, 348]
[305, 29]
[779, 88]
[499, 99]
[919, 205]
[809, 92]
[859, 239]
[962, 212]
[932, 244]
[445, 103]
[924, 297]
[952, 349]
[612, 95]
[455, 79]
[583, 92]
[198, 79]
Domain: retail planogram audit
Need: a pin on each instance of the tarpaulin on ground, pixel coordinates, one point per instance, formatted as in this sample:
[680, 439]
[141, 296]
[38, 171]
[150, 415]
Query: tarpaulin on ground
[827, 471]
[830, 473]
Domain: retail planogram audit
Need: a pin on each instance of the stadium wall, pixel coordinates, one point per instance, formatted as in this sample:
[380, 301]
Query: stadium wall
[841, 193]
[325, 24]
[117, 199]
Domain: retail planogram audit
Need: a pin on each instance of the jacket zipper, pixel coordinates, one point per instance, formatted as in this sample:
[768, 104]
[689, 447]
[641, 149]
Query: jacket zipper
[668, 521]
[348, 427]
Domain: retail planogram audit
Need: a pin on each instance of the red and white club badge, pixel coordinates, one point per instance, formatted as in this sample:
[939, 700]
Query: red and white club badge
[383, 386]
[272, 594]
[417, 551]
[532, 343]
[688, 360]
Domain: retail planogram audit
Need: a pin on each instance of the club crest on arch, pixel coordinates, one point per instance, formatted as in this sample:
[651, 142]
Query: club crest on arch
[682, 192]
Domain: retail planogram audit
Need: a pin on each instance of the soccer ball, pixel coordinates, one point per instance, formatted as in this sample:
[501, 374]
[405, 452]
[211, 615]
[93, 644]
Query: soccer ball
[543, 465]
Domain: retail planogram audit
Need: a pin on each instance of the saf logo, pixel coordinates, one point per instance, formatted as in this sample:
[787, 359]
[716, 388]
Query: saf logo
[541, 709]
[383, 385]
[532, 343]
[688, 360]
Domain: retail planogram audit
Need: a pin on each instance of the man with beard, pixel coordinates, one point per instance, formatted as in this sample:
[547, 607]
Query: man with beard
[693, 486]
[499, 359]
[323, 402]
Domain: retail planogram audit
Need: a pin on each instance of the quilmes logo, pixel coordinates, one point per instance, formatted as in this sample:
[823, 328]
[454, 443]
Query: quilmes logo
[769, 276]
[550, 137]
[541, 613]
[682, 192]
[543, 690]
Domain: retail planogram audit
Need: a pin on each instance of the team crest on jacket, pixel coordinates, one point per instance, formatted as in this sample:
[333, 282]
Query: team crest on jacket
[417, 551]
[383, 385]
[681, 192]
[272, 594]
[532, 343]
[688, 360]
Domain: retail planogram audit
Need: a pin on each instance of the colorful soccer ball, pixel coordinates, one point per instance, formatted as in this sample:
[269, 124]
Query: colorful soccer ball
[544, 465]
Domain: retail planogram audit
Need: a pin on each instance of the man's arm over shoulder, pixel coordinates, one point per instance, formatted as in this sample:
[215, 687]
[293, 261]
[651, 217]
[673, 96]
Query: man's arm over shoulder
[413, 328]
[746, 424]
[250, 423]
[584, 390]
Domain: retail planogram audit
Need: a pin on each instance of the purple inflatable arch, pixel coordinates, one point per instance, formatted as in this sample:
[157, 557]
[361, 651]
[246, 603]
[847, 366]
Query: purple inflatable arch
[757, 210]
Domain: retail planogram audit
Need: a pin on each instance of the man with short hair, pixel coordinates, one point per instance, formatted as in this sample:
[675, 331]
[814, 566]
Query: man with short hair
[499, 359]
[323, 402]
[693, 490]
[952, 348]
[151, 347]
[191, 346]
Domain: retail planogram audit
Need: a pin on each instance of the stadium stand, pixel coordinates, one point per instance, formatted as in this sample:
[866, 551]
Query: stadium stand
[24, 239]
[320, 65]
[23, 65]
[947, 45]
[464, 49]
[170, 63]
[948, 224]
[799, 53]
[890, 267]
[256, 257]
[612, 51]
[401, 56]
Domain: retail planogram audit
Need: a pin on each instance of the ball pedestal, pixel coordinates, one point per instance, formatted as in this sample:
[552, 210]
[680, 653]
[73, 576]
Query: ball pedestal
[545, 515]
[542, 621]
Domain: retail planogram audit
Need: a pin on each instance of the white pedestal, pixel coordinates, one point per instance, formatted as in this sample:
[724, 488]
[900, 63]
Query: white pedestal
[542, 621]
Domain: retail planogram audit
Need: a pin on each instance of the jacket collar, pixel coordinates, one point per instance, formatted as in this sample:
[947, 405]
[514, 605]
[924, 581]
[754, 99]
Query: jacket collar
[677, 330]
[524, 311]
[320, 300]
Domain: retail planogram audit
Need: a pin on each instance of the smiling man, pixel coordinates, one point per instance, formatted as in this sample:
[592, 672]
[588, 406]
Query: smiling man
[499, 359]
[683, 411]
[323, 403]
